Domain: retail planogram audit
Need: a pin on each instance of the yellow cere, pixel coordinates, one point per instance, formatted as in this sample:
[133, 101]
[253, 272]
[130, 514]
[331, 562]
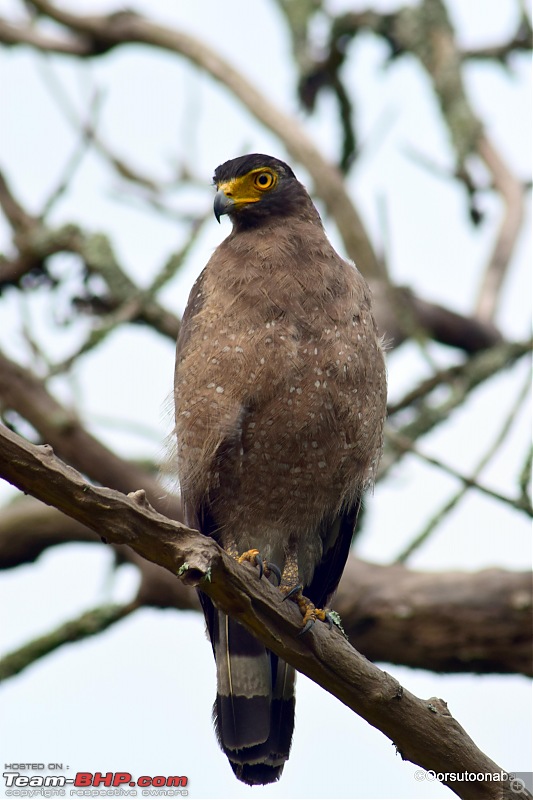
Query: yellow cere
[250, 187]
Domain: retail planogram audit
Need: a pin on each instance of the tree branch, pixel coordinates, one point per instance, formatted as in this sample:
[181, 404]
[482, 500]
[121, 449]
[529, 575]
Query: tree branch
[461, 379]
[512, 195]
[397, 309]
[88, 624]
[29, 527]
[107, 32]
[442, 621]
[401, 314]
[424, 732]
[125, 301]
[446, 621]
[522, 41]
[25, 393]
[426, 31]
[24, 34]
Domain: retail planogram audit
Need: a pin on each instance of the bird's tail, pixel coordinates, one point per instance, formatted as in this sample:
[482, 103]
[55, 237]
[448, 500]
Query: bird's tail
[254, 709]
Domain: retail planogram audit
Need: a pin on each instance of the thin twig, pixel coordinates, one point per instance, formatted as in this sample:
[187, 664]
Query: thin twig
[107, 32]
[480, 365]
[75, 160]
[88, 128]
[176, 260]
[512, 194]
[88, 624]
[525, 477]
[520, 503]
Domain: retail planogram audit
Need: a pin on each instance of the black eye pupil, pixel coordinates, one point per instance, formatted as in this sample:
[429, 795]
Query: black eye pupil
[263, 180]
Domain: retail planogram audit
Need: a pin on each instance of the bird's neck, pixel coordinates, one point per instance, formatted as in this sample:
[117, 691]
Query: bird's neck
[282, 268]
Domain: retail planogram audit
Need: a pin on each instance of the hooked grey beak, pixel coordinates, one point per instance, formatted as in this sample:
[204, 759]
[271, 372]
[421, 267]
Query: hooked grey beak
[222, 204]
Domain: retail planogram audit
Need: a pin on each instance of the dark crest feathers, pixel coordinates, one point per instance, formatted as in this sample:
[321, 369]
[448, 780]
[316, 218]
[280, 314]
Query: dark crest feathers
[237, 167]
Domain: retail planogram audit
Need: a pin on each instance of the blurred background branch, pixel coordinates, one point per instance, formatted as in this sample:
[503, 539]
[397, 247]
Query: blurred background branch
[426, 33]
[84, 305]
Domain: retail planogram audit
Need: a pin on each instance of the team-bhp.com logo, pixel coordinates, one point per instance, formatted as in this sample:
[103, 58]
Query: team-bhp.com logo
[18, 785]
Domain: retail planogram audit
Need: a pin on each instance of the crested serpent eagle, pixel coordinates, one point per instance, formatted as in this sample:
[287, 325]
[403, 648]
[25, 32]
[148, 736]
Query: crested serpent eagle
[280, 397]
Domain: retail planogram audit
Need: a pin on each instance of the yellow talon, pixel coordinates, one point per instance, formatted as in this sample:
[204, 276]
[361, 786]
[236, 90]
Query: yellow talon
[308, 610]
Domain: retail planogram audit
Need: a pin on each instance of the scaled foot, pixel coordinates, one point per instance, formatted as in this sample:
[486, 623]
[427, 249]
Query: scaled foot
[309, 611]
[266, 568]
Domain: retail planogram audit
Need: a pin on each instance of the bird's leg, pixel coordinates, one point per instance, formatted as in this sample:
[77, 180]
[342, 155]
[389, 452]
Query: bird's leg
[292, 588]
[308, 610]
[289, 583]
[254, 558]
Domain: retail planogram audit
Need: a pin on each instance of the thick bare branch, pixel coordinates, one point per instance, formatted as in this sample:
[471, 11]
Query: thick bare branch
[473, 622]
[444, 621]
[25, 393]
[29, 527]
[401, 314]
[424, 732]
[24, 34]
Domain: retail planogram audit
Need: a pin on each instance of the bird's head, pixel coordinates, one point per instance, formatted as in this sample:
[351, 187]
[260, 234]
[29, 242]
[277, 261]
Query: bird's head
[255, 188]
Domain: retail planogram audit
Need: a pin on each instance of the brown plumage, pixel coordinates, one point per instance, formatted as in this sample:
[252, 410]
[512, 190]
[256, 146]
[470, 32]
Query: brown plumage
[280, 400]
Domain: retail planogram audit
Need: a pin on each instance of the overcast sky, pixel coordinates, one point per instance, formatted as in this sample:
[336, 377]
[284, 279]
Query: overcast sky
[138, 698]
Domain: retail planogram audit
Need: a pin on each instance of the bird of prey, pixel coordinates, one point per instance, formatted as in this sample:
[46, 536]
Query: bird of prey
[280, 395]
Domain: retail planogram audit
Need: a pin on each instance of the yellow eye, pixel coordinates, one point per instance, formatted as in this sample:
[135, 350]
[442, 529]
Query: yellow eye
[264, 180]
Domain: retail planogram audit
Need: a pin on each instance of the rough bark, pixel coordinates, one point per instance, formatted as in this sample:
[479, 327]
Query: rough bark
[445, 622]
[423, 731]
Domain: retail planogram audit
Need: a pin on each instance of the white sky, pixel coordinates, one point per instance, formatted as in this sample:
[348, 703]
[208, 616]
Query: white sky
[138, 698]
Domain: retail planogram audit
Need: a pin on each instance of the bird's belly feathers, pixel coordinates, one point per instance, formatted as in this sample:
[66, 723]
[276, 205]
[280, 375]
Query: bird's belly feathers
[287, 431]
